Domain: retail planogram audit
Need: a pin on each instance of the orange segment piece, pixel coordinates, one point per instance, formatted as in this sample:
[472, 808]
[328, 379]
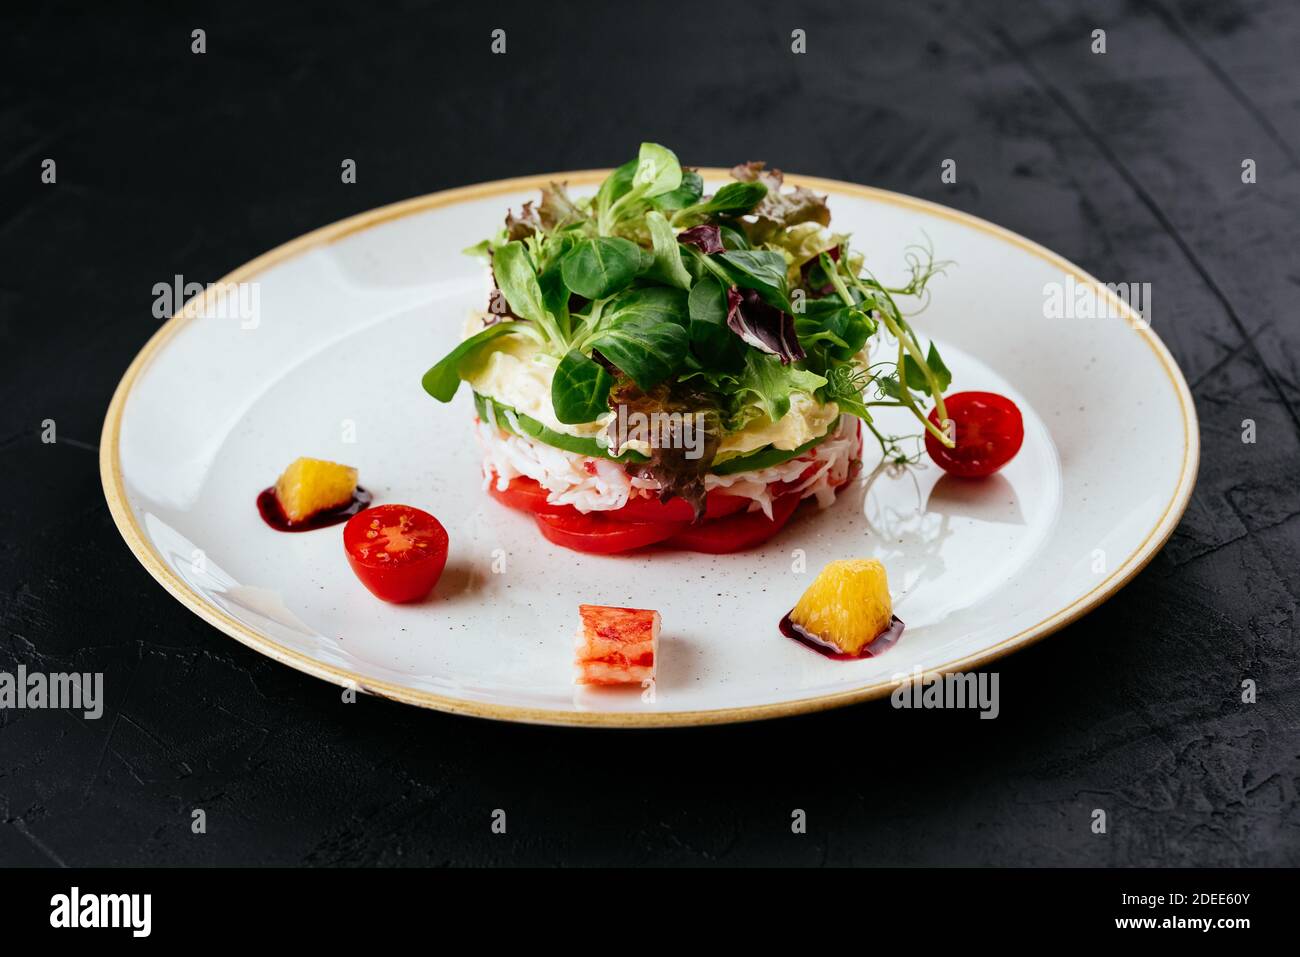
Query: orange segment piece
[309, 486]
[847, 605]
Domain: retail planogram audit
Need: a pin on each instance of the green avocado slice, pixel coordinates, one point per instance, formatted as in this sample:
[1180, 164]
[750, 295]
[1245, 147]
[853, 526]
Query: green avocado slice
[765, 457]
[530, 428]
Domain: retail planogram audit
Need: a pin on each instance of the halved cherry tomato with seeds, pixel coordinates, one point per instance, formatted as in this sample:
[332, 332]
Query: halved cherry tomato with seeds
[988, 430]
[397, 551]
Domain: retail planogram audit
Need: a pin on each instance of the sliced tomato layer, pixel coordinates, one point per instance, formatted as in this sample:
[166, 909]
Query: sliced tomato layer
[717, 504]
[526, 495]
[737, 532]
[598, 535]
[726, 526]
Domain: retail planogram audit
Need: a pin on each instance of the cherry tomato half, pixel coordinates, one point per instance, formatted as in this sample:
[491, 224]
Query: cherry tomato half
[988, 429]
[397, 551]
[737, 532]
[598, 535]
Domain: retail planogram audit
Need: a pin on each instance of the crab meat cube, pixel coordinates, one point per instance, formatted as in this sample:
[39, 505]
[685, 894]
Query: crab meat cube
[616, 646]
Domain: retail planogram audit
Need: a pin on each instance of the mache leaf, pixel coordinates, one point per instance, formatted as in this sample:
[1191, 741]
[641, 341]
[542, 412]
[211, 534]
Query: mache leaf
[600, 267]
[712, 341]
[580, 389]
[643, 304]
[763, 270]
[688, 193]
[734, 199]
[443, 379]
[647, 351]
[615, 185]
[667, 266]
[657, 170]
[518, 283]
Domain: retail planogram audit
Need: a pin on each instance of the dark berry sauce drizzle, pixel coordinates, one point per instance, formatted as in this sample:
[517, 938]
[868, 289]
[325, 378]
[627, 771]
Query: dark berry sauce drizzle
[268, 506]
[882, 642]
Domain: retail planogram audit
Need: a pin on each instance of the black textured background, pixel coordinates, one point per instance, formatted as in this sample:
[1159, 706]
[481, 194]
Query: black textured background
[1127, 163]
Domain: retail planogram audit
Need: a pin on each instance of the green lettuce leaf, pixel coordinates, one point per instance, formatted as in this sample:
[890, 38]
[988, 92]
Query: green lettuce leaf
[768, 383]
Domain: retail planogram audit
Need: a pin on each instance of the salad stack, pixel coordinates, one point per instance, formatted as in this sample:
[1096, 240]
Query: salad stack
[660, 366]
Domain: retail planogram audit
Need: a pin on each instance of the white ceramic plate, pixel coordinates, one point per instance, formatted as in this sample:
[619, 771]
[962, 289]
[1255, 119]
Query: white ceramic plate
[347, 318]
